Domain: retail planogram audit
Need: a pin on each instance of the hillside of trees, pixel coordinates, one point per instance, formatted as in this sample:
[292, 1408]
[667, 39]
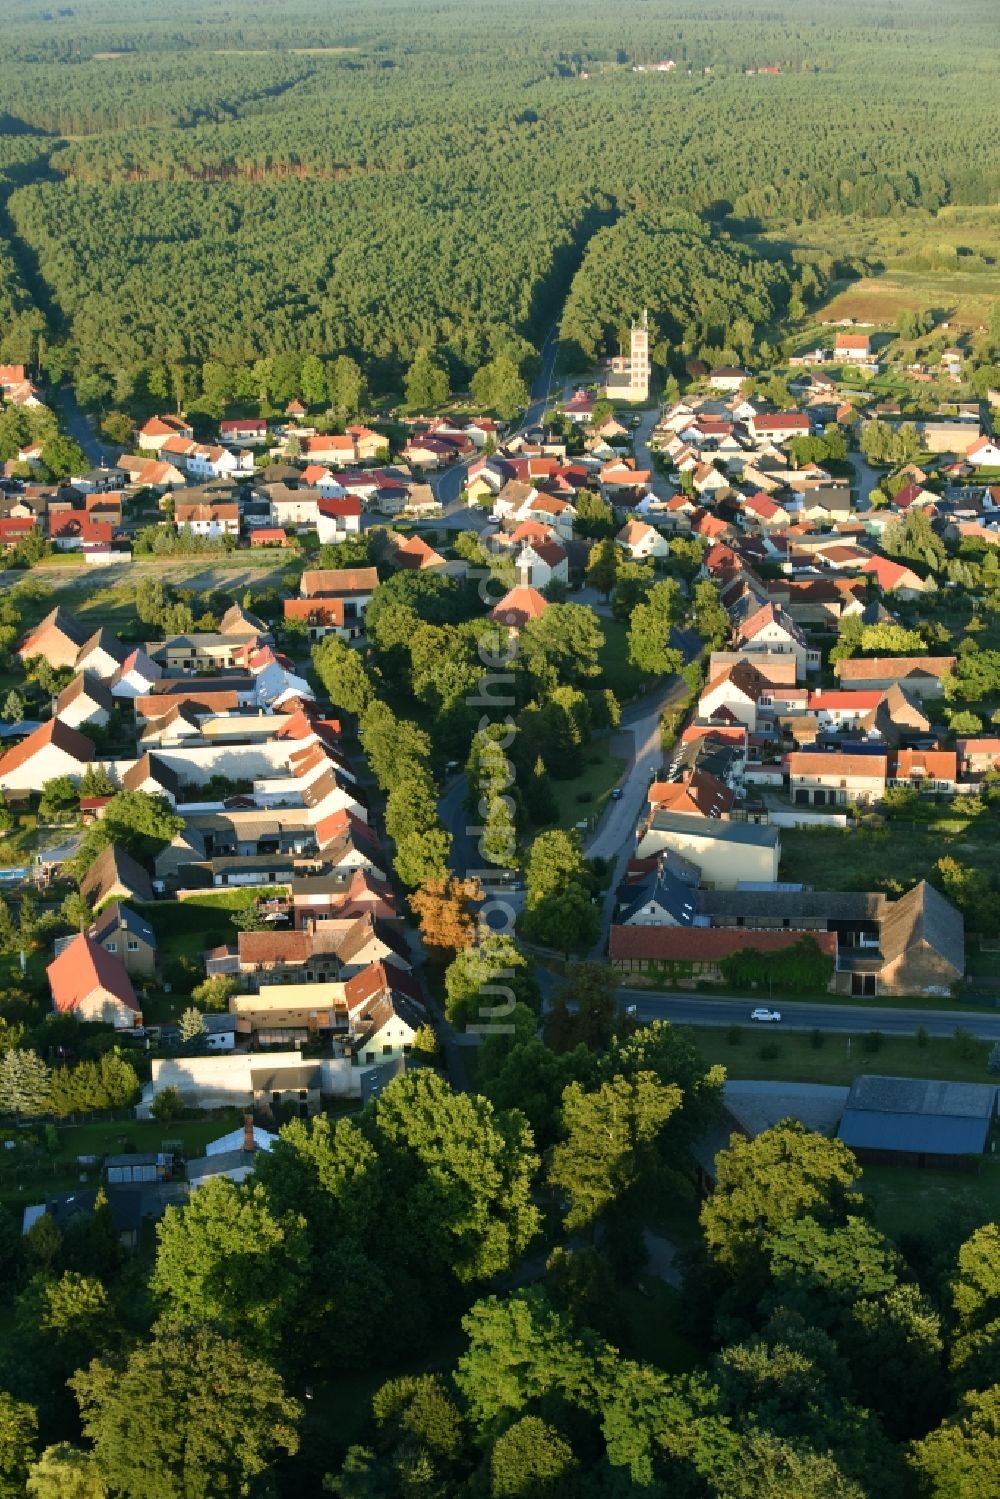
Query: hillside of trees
[242, 182]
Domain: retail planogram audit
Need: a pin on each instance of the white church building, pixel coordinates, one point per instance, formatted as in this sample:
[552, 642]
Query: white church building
[628, 378]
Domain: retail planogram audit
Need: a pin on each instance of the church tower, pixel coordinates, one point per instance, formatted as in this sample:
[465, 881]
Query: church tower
[639, 359]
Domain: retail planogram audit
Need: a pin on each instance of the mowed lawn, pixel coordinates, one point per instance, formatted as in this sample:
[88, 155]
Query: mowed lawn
[909, 1199]
[840, 1058]
[625, 680]
[583, 798]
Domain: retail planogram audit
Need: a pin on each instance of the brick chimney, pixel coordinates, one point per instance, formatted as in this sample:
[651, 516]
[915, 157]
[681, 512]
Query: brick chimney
[249, 1143]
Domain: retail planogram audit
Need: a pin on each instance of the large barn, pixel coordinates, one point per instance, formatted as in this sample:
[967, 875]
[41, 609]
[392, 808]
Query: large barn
[915, 1122]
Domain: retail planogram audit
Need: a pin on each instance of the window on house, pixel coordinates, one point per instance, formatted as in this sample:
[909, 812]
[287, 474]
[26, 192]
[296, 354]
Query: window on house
[303, 1093]
[275, 1097]
[132, 945]
[387, 1051]
[369, 1057]
[111, 946]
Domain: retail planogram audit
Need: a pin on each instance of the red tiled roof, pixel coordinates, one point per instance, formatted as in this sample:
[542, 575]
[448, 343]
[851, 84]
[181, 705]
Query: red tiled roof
[518, 606]
[870, 767]
[323, 614]
[940, 765]
[83, 966]
[55, 732]
[867, 668]
[673, 944]
[333, 582]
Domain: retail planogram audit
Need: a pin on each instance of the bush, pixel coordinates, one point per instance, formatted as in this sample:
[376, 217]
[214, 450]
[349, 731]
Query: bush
[585, 796]
[769, 1052]
[816, 1038]
[923, 1036]
[874, 1041]
[965, 1044]
[993, 1060]
[734, 1035]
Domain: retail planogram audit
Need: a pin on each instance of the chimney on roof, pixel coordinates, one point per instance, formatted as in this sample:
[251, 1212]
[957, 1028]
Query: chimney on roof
[249, 1143]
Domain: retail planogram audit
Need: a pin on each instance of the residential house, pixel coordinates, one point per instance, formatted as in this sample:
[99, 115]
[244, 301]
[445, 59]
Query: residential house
[159, 429]
[695, 791]
[101, 655]
[921, 676]
[933, 770]
[729, 378]
[115, 875]
[338, 518]
[72, 530]
[843, 710]
[291, 508]
[978, 756]
[136, 675]
[128, 936]
[54, 749]
[332, 447]
[820, 779]
[733, 695]
[580, 407]
[212, 520]
[151, 473]
[86, 700]
[251, 429]
[695, 955]
[779, 426]
[853, 348]
[770, 629]
[983, 453]
[542, 563]
[269, 536]
[92, 984]
[641, 541]
[896, 577]
[896, 719]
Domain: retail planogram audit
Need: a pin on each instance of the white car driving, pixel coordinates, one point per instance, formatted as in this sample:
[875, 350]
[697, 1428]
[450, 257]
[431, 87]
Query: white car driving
[763, 1014]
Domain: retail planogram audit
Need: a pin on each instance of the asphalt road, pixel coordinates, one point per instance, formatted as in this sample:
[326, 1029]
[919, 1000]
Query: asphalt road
[449, 484]
[847, 1020]
[78, 426]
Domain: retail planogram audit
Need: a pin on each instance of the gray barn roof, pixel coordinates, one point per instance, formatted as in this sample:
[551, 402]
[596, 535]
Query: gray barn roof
[918, 1115]
[753, 834]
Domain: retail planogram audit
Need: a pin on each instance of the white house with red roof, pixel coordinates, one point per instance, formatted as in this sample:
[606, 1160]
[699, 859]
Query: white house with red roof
[243, 429]
[90, 983]
[540, 563]
[984, 453]
[855, 348]
[779, 426]
[580, 407]
[337, 518]
[896, 577]
[159, 429]
[52, 750]
[640, 541]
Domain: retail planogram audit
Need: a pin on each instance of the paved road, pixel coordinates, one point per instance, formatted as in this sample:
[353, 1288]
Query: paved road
[644, 457]
[866, 478]
[846, 1020]
[449, 485]
[78, 426]
[614, 835]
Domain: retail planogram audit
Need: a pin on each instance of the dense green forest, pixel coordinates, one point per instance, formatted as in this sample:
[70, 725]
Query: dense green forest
[241, 180]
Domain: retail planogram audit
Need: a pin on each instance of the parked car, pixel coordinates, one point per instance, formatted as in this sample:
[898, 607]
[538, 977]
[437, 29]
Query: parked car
[616, 795]
[763, 1014]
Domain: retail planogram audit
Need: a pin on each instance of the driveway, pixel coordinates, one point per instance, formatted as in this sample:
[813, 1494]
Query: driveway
[865, 479]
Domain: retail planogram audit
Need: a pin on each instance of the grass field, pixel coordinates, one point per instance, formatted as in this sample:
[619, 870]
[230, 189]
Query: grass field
[891, 858]
[799, 1061]
[907, 1200]
[946, 261]
[583, 798]
[23, 1181]
[625, 681]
